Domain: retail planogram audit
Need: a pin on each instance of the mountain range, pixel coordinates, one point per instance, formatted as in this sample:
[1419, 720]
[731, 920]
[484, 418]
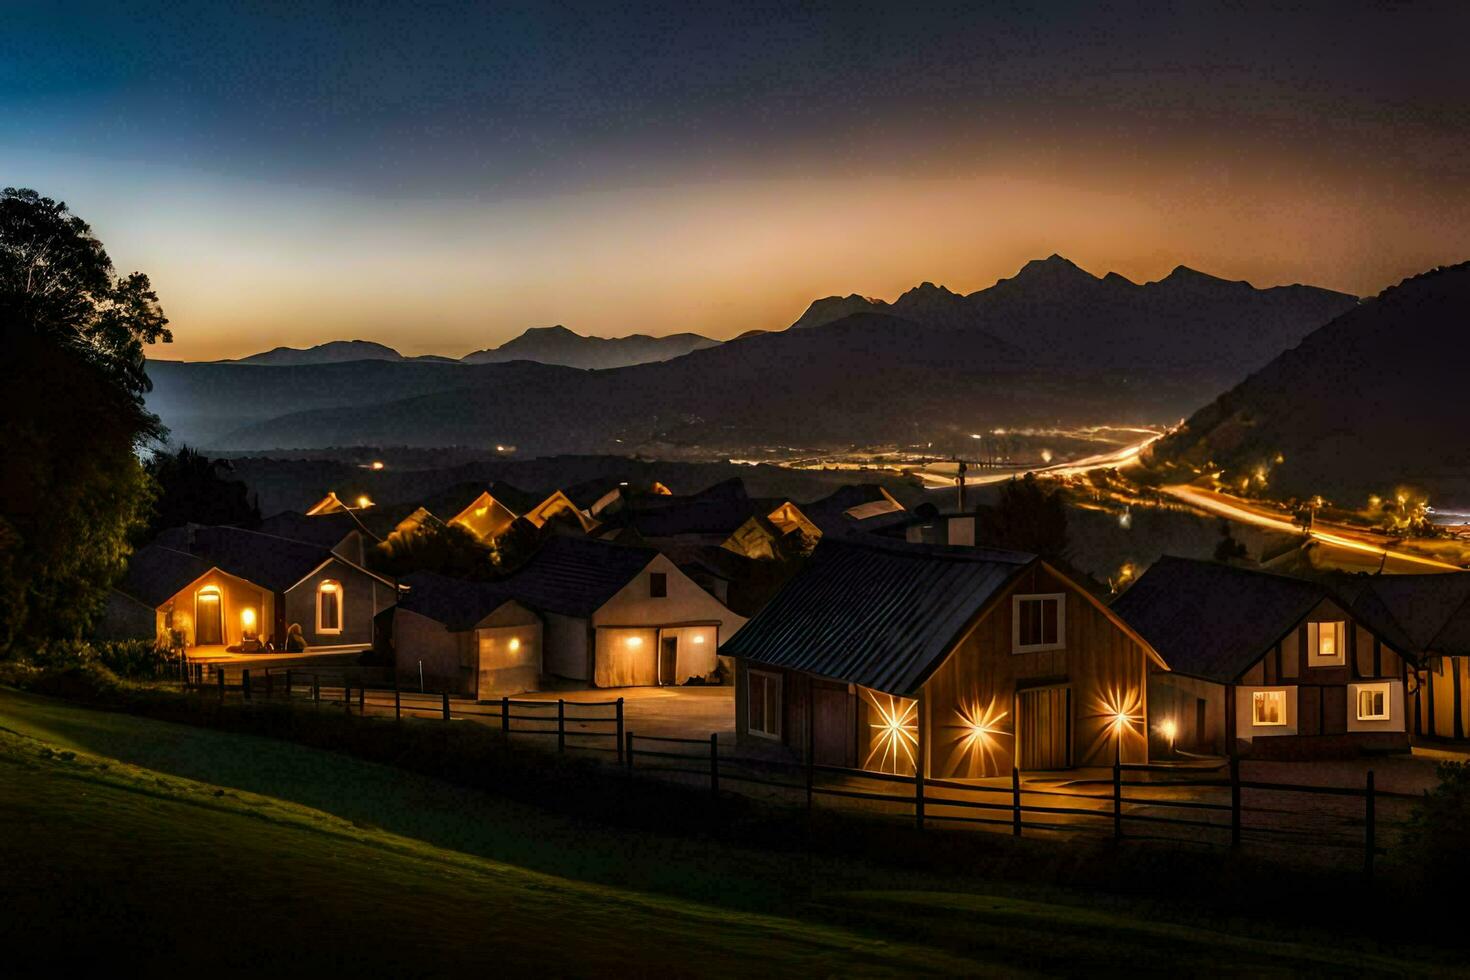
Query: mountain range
[1370, 402]
[545, 345]
[1051, 345]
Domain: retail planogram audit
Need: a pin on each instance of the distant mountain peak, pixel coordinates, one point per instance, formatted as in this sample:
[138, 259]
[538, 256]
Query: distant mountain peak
[558, 344]
[1053, 268]
[330, 352]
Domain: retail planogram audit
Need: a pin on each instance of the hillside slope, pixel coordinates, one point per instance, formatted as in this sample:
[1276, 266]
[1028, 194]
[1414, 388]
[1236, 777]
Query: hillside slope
[558, 345]
[1372, 401]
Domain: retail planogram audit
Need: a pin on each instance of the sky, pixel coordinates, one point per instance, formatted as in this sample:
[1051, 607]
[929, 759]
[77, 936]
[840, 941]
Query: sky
[439, 177]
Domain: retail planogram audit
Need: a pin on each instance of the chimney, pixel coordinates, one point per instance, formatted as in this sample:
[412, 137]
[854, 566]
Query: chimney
[960, 486]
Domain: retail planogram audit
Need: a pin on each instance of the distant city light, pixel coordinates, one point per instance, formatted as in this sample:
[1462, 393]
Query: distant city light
[377, 464]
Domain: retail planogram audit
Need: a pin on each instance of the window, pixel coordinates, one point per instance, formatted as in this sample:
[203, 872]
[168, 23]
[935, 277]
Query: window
[763, 712]
[1038, 622]
[1326, 644]
[329, 607]
[1268, 708]
[658, 585]
[1373, 702]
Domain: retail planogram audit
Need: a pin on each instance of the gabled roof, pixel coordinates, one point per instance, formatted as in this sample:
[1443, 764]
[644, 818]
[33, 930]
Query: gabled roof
[719, 509]
[449, 503]
[877, 613]
[576, 576]
[518, 501]
[326, 530]
[1427, 614]
[850, 507]
[1211, 620]
[269, 561]
[458, 604]
[155, 574]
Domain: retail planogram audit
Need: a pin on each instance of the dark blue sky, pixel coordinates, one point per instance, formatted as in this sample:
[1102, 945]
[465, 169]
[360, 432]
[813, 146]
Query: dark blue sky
[1244, 112]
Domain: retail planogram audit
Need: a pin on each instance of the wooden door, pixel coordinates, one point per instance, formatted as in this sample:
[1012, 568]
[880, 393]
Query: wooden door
[668, 660]
[208, 629]
[1044, 727]
[832, 734]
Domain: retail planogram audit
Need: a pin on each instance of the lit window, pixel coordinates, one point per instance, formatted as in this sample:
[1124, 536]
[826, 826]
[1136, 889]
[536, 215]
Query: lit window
[1268, 708]
[329, 607]
[764, 709]
[658, 585]
[1038, 622]
[1326, 646]
[1373, 702]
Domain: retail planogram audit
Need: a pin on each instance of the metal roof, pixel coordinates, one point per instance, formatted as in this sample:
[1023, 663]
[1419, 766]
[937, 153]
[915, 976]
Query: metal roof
[1211, 620]
[877, 613]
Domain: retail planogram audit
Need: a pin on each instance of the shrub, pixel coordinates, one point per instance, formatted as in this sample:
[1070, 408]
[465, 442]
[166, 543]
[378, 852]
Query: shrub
[1435, 838]
[132, 658]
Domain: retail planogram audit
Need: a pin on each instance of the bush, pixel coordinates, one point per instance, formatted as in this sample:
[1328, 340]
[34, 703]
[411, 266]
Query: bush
[132, 658]
[1435, 838]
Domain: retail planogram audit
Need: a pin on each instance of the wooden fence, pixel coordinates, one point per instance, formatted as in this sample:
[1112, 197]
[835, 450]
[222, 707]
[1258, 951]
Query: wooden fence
[1016, 806]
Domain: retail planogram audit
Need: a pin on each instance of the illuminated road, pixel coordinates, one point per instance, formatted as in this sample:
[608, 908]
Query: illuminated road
[1111, 459]
[1243, 512]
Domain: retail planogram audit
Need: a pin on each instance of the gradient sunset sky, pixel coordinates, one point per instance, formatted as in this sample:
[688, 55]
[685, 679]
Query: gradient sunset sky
[438, 177]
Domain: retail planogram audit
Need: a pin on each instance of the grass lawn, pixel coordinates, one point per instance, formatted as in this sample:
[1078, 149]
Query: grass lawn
[164, 847]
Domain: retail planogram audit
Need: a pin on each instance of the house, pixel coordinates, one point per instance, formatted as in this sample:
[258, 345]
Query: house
[467, 638]
[488, 512]
[721, 516]
[862, 506]
[1428, 618]
[227, 588]
[1264, 664]
[618, 615]
[332, 504]
[959, 663]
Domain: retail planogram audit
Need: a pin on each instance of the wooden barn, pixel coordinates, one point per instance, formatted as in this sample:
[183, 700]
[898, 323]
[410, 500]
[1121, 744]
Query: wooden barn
[1265, 665]
[467, 638]
[893, 657]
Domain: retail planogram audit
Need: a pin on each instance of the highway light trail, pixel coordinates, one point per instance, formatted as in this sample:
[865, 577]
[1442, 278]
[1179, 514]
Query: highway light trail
[1111, 459]
[1222, 506]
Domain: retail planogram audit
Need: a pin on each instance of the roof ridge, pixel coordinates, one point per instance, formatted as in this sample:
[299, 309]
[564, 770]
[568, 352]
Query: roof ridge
[911, 549]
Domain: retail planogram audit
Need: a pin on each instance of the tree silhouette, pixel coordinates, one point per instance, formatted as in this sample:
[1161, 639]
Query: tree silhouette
[1027, 517]
[194, 489]
[72, 491]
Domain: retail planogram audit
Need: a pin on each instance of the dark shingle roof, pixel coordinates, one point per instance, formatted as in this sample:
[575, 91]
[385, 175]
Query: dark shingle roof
[720, 509]
[1211, 620]
[456, 603]
[155, 574]
[264, 559]
[325, 530]
[881, 614]
[576, 576]
[830, 513]
[1428, 614]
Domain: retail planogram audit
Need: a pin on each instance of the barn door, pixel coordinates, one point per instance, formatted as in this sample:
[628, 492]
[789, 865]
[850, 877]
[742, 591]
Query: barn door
[832, 734]
[668, 660]
[208, 628]
[1045, 727]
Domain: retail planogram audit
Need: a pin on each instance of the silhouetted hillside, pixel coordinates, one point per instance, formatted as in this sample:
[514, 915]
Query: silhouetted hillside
[332, 352]
[1059, 313]
[558, 345]
[1371, 401]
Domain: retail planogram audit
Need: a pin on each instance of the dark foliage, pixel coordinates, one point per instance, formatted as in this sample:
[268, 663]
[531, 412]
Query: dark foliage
[194, 489]
[1027, 517]
[1435, 837]
[72, 492]
[1228, 549]
[446, 549]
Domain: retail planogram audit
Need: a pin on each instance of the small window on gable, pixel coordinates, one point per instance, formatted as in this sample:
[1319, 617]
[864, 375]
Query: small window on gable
[1038, 622]
[1268, 708]
[329, 606]
[658, 585]
[1373, 702]
[1326, 644]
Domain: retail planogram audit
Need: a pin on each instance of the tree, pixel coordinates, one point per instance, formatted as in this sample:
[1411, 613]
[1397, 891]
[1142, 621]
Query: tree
[72, 491]
[1227, 549]
[446, 549]
[194, 489]
[1027, 517]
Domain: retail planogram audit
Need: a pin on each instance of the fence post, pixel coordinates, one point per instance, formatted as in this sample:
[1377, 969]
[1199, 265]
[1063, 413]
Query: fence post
[714, 765]
[1015, 802]
[619, 719]
[561, 725]
[811, 775]
[1117, 800]
[361, 698]
[270, 684]
[628, 750]
[316, 690]
[288, 682]
[1370, 829]
[221, 675]
[919, 795]
[245, 683]
[1235, 801]
[397, 702]
[346, 694]
[445, 704]
[505, 716]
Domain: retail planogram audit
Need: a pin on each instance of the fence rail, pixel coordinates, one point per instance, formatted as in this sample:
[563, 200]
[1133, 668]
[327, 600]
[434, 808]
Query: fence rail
[1353, 820]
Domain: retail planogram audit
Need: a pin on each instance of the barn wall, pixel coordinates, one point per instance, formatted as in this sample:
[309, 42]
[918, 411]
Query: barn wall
[1176, 698]
[236, 595]
[363, 597]
[447, 658]
[564, 647]
[972, 697]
